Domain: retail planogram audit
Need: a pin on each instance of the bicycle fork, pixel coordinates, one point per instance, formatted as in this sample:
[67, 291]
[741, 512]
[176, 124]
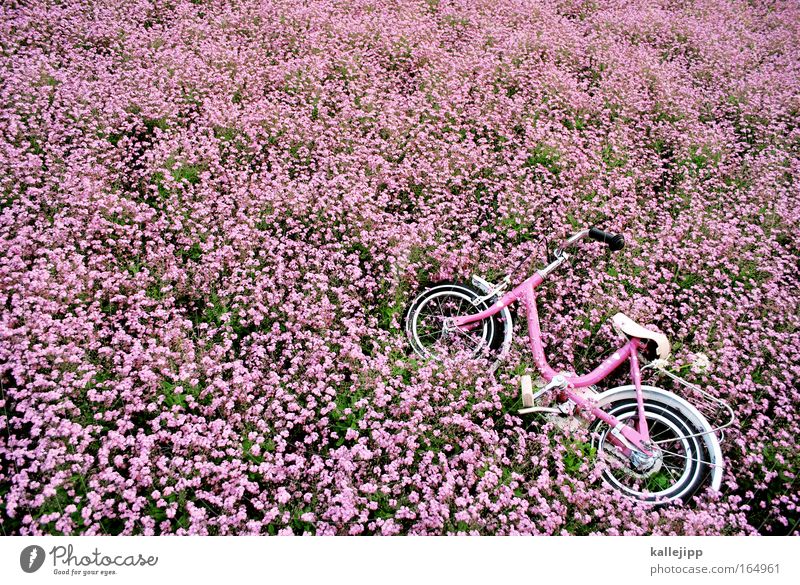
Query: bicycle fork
[632, 442]
[627, 439]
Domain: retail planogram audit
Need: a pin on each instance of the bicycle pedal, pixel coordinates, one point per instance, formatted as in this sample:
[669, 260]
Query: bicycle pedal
[527, 391]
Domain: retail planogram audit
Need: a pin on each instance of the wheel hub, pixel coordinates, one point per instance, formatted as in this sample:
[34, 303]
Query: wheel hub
[448, 326]
[645, 464]
[638, 465]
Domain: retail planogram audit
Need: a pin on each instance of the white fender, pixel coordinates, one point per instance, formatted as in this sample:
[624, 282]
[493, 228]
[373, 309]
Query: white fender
[505, 315]
[710, 438]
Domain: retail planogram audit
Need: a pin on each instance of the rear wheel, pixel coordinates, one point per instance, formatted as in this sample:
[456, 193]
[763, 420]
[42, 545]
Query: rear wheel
[427, 329]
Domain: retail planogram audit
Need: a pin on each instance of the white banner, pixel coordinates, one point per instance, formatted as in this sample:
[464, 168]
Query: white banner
[353, 560]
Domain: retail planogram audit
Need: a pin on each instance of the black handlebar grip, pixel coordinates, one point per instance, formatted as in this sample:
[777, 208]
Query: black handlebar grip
[614, 241]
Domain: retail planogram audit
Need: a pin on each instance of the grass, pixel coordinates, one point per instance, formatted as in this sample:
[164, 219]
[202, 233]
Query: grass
[187, 172]
[612, 158]
[173, 397]
[700, 158]
[688, 280]
[427, 265]
[784, 463]
[750, 275]
[545, 157]
[225, 133]
[517, 221]
[346, 415]
[193, 254]
[577, 122]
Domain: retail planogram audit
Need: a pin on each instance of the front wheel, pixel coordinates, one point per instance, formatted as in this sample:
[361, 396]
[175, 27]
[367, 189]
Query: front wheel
[682, 460]
[426, 323]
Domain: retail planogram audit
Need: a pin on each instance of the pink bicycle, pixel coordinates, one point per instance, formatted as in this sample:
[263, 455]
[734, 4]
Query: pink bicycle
[654, 445]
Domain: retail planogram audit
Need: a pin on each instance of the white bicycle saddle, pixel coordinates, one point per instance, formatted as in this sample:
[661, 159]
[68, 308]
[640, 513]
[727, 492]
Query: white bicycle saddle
[631, 328]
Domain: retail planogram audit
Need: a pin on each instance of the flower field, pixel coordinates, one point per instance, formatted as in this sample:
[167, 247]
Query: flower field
[214, 213]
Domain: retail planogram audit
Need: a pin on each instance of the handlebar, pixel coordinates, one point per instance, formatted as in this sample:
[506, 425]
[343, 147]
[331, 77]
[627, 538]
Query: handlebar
[615, 242]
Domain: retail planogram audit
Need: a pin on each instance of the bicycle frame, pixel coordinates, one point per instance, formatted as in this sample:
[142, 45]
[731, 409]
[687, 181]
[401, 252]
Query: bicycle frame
[623, 436]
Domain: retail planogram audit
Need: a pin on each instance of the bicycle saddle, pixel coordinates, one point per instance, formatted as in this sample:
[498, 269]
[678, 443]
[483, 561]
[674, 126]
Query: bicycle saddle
[631, 328]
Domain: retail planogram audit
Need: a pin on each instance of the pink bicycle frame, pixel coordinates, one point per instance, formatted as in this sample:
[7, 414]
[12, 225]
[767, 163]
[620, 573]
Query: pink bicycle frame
[638, 437]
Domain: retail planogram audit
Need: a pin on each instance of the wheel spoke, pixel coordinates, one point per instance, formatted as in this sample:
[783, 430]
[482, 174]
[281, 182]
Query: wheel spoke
[669, 470]
[428, 334]
[441, 309]
[683, 456]
[653, 436]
